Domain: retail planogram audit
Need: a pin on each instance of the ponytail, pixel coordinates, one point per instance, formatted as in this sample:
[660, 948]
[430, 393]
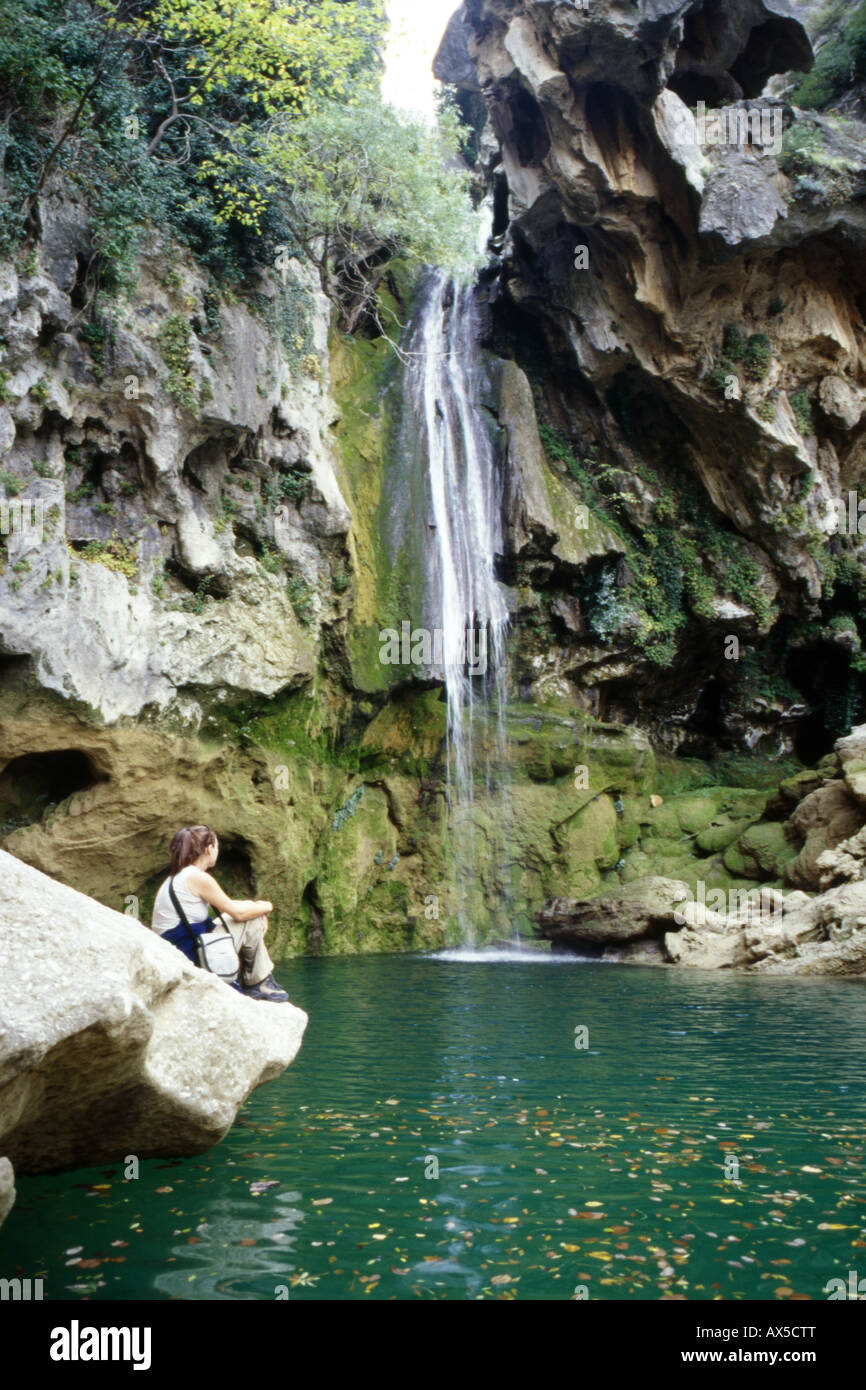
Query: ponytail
[189, 844]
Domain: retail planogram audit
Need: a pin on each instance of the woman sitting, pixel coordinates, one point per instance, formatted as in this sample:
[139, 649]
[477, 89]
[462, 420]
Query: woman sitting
[193, 852]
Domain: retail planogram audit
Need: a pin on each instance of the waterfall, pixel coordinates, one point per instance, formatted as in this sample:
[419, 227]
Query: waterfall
[445, 382]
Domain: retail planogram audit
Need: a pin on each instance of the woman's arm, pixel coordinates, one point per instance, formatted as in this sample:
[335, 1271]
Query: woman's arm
[207, 887]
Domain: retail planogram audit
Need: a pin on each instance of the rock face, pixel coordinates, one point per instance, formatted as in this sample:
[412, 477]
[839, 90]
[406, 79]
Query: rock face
[682, 282]
[111, 1043]
[169, 451]
[674, 385]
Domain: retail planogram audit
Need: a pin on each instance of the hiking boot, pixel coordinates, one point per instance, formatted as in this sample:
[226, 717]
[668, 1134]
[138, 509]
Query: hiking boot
[267, 990]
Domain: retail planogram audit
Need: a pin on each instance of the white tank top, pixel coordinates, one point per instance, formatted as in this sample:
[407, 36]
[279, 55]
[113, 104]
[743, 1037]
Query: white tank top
[164, 913]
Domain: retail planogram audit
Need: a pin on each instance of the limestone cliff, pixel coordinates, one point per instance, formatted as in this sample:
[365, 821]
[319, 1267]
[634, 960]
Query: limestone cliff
[682, 281]
[225, 519]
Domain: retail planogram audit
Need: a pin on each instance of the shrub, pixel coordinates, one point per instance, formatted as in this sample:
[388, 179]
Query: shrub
[802, 408]
[758, 357]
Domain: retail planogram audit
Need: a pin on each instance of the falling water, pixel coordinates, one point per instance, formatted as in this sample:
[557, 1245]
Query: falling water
[444, 383]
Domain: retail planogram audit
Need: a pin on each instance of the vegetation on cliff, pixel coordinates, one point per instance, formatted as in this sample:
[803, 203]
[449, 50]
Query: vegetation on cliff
[233, 128]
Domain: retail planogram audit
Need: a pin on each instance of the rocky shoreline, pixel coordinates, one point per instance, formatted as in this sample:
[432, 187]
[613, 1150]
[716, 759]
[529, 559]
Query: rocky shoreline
[776, 928]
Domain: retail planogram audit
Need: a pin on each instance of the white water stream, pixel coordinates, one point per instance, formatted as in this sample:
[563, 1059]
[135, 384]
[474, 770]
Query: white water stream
[444, 385]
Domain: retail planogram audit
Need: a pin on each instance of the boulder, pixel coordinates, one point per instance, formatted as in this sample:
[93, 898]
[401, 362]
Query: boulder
[852, 755]
[821, 821]
[640, 910]
[112, 1043]
[7, 1188]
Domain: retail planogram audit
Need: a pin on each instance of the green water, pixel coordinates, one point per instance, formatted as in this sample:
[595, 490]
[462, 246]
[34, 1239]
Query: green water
[558, 1167]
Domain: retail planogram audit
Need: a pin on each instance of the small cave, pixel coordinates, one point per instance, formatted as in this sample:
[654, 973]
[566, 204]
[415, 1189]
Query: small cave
[704, 730]
[520, 121]
[823, 672]
[714, 36]
[201, 586]
[15, 671]
[311, 915]
[234, 870]
[501, 210]
[33, 782]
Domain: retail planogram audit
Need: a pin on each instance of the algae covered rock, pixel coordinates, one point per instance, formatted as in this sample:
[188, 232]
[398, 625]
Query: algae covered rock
[645, 907]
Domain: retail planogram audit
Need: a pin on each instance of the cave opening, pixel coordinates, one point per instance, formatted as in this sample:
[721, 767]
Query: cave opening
[835, 692]
[311, 916]
[34, 782]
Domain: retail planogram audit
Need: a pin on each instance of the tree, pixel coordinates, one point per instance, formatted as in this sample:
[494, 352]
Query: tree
[363, 184]
[278, 56]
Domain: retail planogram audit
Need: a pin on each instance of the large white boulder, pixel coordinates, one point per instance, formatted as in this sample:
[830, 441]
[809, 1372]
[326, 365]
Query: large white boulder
[111, 1043]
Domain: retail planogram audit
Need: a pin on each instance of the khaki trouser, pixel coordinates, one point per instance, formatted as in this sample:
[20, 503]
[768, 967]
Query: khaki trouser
[249, 938]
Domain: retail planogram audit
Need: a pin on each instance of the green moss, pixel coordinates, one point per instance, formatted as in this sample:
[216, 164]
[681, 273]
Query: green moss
[302, 597]
[389, 587]
[734, 344]
[758, 357]
[10, 484]
[802, 408]
[173, 343]
[114, 554]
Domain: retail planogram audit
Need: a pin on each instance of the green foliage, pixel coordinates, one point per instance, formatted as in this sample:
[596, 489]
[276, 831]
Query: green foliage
[115, 554]
[721, 372]
[734, 344]
[820, 169]
[364, 175]
[302, 598]
[10, 484]
[766, 410]
[679, 563]
[94, 335]
[294, 486]
[173, 343]
[272, 559]
[802, 408]
[841, 62]
[156, 108]
[757, 357]
[759, 682]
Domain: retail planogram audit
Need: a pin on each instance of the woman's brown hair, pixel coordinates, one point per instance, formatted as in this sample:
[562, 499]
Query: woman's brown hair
[189, 844]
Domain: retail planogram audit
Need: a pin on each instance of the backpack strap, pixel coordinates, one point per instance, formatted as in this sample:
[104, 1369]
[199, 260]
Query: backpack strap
[184, 920]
